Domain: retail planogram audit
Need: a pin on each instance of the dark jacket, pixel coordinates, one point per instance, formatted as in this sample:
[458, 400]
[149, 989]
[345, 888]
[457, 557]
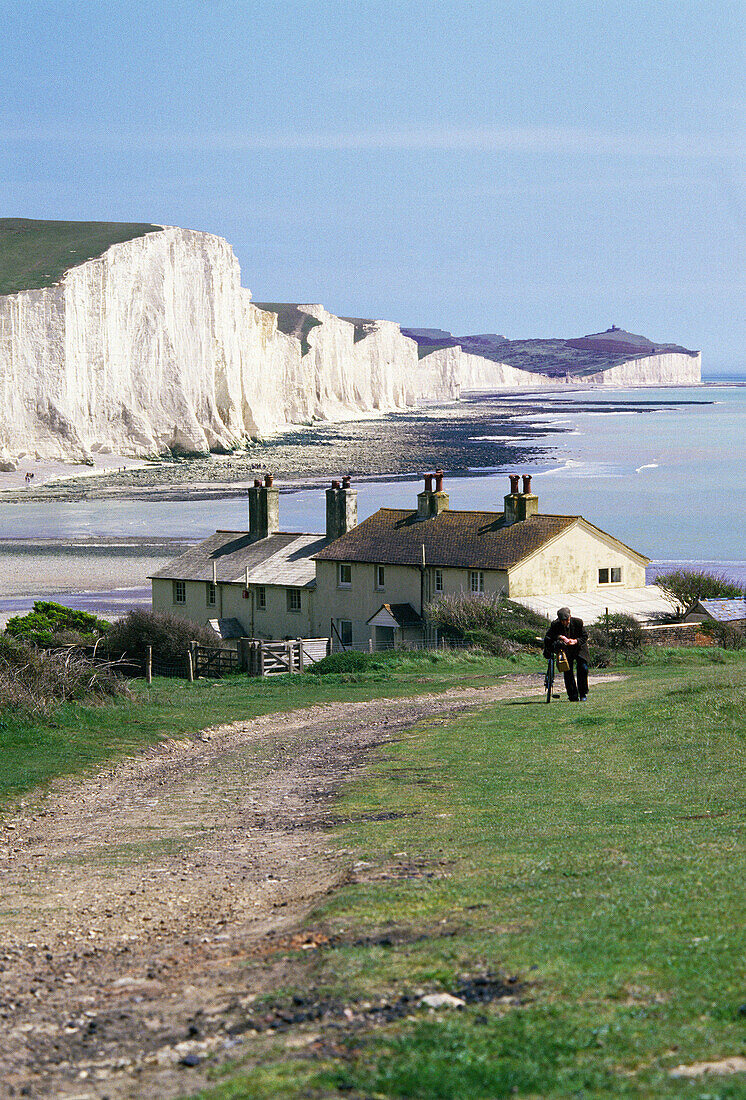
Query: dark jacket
[574, 629]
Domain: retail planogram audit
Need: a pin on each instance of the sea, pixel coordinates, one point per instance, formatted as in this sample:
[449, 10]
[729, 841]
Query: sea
[663, 470]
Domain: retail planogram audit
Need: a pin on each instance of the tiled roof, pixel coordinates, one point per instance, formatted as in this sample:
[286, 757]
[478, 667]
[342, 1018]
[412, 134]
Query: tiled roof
[473, 540]
[284, 558]
[723, 611]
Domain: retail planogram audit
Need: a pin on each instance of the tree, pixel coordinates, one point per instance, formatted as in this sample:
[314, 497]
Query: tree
[683, 587]
[54, 624]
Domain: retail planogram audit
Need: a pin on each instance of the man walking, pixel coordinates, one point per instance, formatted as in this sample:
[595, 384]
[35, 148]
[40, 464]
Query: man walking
[573, 637]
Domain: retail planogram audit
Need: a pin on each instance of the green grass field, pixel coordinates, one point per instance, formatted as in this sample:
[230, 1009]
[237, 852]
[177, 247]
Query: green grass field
[594, 853]
[35, 254]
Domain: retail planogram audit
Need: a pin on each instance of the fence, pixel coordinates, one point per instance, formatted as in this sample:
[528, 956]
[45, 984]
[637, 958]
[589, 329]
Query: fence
[270, 658]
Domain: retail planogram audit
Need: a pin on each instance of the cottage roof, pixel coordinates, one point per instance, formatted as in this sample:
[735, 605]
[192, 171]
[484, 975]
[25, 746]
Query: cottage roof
[396, 615]
[474, 540]
[282, 559]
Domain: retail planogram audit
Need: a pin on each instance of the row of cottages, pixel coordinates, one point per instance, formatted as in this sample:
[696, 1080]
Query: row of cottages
[371, 582]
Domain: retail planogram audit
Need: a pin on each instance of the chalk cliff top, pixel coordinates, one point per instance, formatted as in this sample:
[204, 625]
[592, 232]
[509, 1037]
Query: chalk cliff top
[36, 254]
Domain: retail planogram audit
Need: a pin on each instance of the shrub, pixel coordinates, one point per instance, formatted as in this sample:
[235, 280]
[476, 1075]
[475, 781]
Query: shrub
[37, 682]
[167, 634]
[726, 635]
[348, 661]
[491, 643]
[683, 587]
[464, 614]
[54, 624]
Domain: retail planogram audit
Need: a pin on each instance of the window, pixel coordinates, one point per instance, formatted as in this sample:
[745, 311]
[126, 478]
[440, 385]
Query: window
[438, 580]
[611, 575]
[345, 631]
[380, 576]
[344, 575]
[476, 582]
[261, 597]
[603, 576]
[616, 575]
[210, 594]
[293, 595]
[179, 591]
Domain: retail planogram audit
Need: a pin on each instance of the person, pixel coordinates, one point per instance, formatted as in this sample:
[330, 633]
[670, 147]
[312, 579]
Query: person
[573, 637]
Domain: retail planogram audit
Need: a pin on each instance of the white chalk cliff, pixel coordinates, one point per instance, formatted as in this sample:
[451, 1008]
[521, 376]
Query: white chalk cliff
[155, 345]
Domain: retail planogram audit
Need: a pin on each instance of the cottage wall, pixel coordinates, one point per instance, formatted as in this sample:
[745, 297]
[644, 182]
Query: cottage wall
[274, 621]
[570, 563]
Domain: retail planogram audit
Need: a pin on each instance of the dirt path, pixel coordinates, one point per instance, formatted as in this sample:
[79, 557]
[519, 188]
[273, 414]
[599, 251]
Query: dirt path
[133, 902]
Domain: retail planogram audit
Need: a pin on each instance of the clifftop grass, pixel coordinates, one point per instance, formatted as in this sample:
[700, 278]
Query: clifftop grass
[36, 254]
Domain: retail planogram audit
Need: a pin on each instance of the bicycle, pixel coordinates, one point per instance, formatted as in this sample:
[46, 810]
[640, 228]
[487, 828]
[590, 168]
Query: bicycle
[550, 673]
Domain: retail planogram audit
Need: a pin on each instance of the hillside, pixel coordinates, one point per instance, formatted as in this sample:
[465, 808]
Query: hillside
[36, 254]
[553, 358]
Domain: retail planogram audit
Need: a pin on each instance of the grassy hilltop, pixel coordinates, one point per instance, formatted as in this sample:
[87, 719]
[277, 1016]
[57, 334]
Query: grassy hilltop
[36, 254]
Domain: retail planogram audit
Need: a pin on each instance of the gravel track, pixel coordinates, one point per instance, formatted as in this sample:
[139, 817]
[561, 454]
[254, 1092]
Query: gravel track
[138, 903]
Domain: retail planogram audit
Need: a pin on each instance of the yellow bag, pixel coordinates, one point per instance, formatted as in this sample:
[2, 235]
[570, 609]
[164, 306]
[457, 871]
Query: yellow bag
[563, 665]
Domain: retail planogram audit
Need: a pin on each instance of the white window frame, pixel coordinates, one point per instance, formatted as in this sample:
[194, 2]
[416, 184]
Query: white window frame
[615, 569]
[178, 592]
[380, 577]
[211, 594]
[601, 571]
[294, 602]
[476, 582]
[260, 597]
[438, 580]
[344, 570]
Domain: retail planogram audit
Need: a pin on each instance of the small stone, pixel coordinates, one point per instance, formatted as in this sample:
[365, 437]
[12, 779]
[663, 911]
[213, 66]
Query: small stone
[190, 1060]
[442, 1000]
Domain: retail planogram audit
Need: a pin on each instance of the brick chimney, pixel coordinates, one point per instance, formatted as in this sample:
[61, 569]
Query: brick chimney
[341, 509]
[264, 508]
[431, 502]
[520, 505]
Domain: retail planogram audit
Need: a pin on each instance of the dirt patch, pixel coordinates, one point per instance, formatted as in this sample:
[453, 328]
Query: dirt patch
[145, 909]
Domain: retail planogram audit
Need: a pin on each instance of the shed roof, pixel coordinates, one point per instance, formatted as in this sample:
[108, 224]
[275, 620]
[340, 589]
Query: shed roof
[723, 611]
[474, 540]
[283, 559]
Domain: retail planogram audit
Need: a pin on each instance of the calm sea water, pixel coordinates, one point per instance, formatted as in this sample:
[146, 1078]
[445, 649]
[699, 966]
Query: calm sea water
[662, 470]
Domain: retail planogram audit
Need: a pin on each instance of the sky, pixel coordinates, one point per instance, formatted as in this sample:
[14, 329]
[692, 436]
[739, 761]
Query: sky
[530, 168]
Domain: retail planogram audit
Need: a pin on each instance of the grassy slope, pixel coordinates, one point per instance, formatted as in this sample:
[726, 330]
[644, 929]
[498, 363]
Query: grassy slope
[35, 254]
[594, 852]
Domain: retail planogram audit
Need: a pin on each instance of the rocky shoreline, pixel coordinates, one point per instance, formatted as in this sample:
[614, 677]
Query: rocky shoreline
[400, 444]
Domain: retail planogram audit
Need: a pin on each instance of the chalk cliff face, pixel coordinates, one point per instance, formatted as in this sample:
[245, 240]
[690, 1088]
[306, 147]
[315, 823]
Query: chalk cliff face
[156, 345]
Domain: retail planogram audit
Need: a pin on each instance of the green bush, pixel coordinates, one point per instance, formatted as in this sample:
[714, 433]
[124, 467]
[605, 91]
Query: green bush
[167, 634]
[491, 643]
[725, 635]
[461, 615]
[348, 661]
[54, 624]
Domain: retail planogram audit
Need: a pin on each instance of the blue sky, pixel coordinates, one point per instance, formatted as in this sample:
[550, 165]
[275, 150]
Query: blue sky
[533, 169]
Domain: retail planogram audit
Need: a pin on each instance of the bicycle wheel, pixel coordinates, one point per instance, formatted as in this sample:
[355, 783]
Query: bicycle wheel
[549, 680]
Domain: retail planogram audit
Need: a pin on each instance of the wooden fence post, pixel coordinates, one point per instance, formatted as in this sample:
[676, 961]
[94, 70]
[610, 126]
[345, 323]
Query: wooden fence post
[149, 666]
[190, 667]
[289, 655]
[261, 658]
[300, 655]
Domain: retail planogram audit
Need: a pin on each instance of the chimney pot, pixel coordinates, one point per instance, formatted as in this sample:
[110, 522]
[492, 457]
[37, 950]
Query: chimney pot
[514, 479]
[526, 484]
[257, 483]
[428, 483]
[346, 482]
[439, 480]
[268, 480]
[335, 484]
